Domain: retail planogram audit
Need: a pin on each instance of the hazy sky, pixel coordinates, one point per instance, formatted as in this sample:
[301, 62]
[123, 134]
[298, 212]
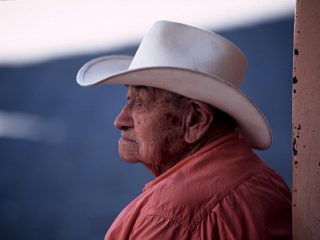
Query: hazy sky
[32, 30]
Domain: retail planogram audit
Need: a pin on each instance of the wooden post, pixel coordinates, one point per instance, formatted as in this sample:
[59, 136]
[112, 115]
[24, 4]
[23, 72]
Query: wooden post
[306, 121]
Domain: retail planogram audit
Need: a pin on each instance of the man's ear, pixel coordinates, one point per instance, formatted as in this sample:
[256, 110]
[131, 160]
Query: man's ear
[197, 121]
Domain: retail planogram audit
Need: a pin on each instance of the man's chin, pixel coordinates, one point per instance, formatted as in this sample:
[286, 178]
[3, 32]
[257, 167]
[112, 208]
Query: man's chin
[128, 151]
[128, 156]
[129, 160]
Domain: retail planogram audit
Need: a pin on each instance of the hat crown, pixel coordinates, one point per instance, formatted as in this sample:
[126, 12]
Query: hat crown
[169, 44]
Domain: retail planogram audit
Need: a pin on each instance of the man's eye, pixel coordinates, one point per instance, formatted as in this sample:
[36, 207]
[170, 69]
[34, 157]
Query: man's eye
[138, 103]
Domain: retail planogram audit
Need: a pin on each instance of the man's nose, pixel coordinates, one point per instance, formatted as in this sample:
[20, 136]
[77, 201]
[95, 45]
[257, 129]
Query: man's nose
[123, 121]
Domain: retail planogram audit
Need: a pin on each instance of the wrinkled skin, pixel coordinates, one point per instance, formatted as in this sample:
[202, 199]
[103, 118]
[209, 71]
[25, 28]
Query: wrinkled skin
[158, 130]
[152, 130]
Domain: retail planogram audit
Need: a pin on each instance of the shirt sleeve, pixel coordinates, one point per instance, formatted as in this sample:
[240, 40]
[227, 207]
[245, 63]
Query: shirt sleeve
[153, 227]
[260, 209]
[257, 209]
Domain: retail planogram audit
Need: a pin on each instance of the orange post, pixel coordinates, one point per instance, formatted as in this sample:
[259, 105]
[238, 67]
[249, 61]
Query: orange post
[306, 121]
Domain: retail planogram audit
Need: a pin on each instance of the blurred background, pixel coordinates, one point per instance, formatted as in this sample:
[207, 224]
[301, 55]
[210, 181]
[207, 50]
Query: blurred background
[60, 174]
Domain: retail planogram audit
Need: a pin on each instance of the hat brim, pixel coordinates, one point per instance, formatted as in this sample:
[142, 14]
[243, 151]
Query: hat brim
[252, 124]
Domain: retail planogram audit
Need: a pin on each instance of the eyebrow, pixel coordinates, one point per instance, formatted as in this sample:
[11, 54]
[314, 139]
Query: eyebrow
[138, 90]
[133, 96]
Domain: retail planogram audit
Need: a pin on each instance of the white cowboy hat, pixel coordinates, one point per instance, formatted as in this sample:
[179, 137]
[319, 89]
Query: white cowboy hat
[189, 61]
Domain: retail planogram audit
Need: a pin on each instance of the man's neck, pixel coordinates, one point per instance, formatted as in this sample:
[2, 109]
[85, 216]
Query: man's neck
[213, 134]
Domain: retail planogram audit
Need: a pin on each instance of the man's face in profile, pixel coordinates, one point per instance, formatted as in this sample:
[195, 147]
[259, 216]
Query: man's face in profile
[151, 128]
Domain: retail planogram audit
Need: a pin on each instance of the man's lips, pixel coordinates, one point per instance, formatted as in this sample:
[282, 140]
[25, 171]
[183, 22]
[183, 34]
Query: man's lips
[127, 138]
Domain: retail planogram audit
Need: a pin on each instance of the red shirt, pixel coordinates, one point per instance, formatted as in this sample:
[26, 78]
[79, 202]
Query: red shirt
[223, 191]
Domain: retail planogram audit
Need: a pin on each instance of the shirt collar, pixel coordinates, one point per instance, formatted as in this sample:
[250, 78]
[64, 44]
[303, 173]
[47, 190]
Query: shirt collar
[197, 155]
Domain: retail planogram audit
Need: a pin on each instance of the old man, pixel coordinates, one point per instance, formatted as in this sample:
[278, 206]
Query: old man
[188, 123]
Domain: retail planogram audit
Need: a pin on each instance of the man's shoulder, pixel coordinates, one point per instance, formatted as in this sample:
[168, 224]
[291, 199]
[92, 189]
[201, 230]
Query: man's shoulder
[190, 199]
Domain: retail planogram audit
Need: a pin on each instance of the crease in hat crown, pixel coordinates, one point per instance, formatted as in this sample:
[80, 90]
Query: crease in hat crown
[168, 43]
[189, 61]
